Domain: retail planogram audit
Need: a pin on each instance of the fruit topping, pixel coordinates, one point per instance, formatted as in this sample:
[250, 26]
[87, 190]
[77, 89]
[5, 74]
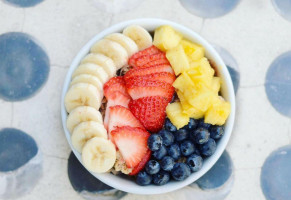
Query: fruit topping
[180, 171]
[142, 163]
[146, 52]
[155, 142]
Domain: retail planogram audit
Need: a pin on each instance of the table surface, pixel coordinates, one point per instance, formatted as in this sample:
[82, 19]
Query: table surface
[253, 33]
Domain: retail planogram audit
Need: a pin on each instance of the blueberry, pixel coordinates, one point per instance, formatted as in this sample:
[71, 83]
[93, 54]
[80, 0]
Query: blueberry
[187, 148]
[169, 126]
[167, 137]
[191, 125]
[194, 162]
[200, 136]
[161, 178]
[181, 134]
[180, 171]
[208, 148]
[155, 142]
[216, 132]
[167, 163]
[174, 151]
[143, 178]
[197, 152]
[159, 154]
[202, 124]
[152, 167]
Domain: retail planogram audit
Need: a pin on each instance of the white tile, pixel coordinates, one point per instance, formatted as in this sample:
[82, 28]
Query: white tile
[11, 18]
[6, 114]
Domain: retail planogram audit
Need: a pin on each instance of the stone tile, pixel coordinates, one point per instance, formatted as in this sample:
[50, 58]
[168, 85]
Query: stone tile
[64, 27]
[6, 116]
[254, 34]
[11, 18]
[40, 116]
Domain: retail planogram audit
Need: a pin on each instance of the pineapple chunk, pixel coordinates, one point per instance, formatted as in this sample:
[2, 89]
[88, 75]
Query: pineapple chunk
[202, 100]
[175, 114]
[166, 38]
[215, 84]
[218, 112]
[193, 51]
[183, 82]
[188, 109]
[178, 59]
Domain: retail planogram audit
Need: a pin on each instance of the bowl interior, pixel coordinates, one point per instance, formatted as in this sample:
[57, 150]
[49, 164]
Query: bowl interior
[125, 183]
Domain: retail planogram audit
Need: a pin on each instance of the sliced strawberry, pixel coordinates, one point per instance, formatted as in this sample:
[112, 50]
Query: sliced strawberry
[148, 51]
[112, 81]
[121, 116]
[156, 62]
[132, 144]
[114, 84]
[142, 163]
[148, 70]
[115, 98]
[150, 111]
[166, 77]
[140, 62]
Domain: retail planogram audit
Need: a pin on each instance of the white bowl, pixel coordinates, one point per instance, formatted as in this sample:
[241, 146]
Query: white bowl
[127, 184]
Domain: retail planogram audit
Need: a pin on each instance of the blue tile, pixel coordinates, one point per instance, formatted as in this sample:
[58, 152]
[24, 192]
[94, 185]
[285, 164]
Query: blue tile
[83, 182]
[16, 149]
[24, 66]
[278, 84]
[283, 7]
[23, 3]
[235, 77]
[209, 8]
[218, 175]
[276, 175]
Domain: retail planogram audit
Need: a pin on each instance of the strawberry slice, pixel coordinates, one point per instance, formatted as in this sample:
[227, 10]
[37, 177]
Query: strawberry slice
[142, 163]
[148, 70]
[156, 62]
[166, 77]
[114, 99]
[132, 144]
[150, 111]
[148, 51]
[140, 62]
[121, 116]
[114, 84]
[146, 88]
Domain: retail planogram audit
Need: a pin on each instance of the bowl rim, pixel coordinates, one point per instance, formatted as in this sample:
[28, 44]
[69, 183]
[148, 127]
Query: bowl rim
[228, 87]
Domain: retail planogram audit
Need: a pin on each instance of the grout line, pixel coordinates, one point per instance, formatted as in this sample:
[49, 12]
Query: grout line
[202, 25]
[12, 114]
[53, 156]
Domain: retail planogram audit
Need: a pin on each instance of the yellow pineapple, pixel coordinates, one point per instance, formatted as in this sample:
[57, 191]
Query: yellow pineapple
[166, 38]
[175, 114]
[183, 82]
[215, 84]
[202, 100]
[178, 59]
[188, 109]
[193, 51]
[218, 112]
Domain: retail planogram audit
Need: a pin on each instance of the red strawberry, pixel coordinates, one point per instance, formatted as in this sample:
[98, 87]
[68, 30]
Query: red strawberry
[141, 61]
[132, 144]
[156, 62]
[150, 111]
[146, 88]
[148, 51]
[115, 98]
[121, 116]
[148, 70]
[166, 77]
[114, 84]
[142, 163]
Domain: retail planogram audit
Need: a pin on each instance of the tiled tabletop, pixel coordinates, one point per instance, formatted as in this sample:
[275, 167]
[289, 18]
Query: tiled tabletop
[38, 41]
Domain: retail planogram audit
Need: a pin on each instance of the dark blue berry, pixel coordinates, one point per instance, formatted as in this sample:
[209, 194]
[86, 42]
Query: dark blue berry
[208, 148]
[180, 171]
[216, 132]
[197, 152]
[202, 124]
[174, 151]
[159, 154]
[200, 136]
[152, 167]
[155, 142]
[167, 163]
[195, 162]
[167, 137]
[181, 134]
[187, 148]
[161, 178]
[192, 124]
[143, 178]
[169, 126]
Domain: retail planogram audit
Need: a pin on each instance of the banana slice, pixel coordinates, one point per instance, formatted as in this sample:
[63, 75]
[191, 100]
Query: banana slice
[112, 50]
[82, 94]
[139, 35]
[99, 59]
[99, 155]
[83, 114]
[86, 78]
[125, 42]
[92, 69]
[85, 131]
